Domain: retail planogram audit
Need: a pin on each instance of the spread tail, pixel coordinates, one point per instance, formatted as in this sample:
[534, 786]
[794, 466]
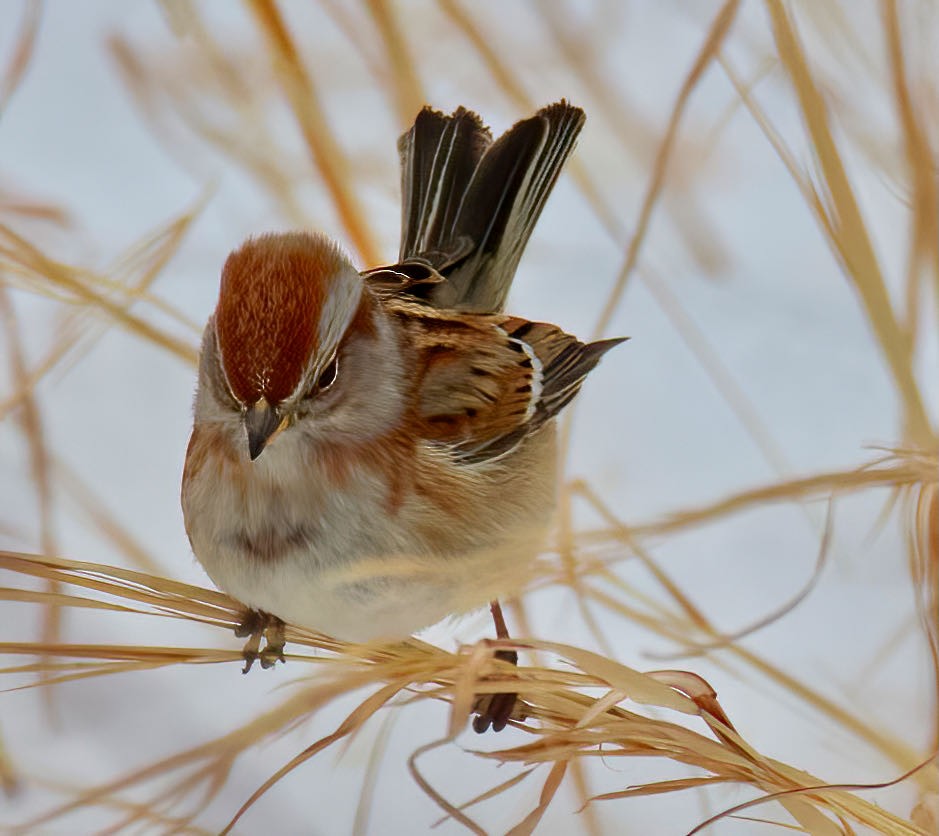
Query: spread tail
[469, 204]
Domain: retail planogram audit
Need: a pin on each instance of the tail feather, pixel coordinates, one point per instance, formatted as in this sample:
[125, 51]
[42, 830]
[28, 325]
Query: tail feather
[470, 204]
[438, 157]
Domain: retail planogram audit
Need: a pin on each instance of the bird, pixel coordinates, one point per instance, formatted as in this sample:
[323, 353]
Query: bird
[375, 450]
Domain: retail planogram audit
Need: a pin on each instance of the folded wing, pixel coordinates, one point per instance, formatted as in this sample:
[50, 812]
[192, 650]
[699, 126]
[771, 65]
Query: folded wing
[485, 383]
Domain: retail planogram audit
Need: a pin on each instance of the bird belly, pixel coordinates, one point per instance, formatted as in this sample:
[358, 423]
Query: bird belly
[391, 596]
[360, 596]
[341, 561]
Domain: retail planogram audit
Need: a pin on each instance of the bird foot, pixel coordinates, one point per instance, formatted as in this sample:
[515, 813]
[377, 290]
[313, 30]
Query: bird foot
[257, 625]
[495, 710]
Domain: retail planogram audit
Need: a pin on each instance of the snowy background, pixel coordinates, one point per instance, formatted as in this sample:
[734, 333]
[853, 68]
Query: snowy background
[653, 433]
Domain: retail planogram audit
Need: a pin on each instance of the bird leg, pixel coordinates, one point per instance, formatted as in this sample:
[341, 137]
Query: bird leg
[256, 625]
[495, 710]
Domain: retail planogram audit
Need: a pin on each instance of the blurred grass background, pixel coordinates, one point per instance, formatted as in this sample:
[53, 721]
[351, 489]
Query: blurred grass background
[750, 489]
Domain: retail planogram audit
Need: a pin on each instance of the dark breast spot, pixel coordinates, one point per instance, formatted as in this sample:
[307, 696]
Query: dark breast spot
[269, 544]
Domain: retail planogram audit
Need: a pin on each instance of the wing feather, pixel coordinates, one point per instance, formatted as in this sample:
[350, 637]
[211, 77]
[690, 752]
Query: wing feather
[469, 204]
[486, 383]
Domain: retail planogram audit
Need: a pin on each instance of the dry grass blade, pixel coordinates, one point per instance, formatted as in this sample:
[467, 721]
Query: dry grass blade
[363, 810]
[499, 69]
[904, 469]
[146, 261]
[77, 326]
[31, 424]
[138, 269]
[725, 639]
[25, 207]
[55, 598]
[507, 80]
[908, 468]
[924, 570]
[408, 95]
[139, 812]
[9, 777]
[695, 617]
[349, 726]
[886, 824]
[707, 54]
[40, 467]
[846, 230]
[329, 158]
[921, 164]
[581, 784]
[109, 659]
[342, 15]
[110, 528]
[660, 787]
[492, 792]
[205, 766]
[157, 594]
[548, 791]
[638, 138]
[22, 53]
[192, 91]
[572, 724]
[20, 258]
[717, 33]
[69, 335]
[900, 753]
[701, 345]
[628, 537]
[452, 812]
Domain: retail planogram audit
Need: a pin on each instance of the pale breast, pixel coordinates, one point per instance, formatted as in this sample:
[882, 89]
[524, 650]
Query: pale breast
[368, 550]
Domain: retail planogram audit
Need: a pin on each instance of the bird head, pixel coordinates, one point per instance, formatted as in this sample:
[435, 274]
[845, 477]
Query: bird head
[287, 305]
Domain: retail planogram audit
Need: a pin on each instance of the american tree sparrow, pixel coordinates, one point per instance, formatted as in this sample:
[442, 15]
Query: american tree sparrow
[373, 451]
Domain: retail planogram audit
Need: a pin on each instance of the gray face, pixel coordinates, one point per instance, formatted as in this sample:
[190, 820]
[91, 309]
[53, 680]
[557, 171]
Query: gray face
[365, 397]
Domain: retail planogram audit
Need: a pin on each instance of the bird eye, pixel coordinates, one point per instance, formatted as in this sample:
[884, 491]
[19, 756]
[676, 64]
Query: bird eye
[328, 376]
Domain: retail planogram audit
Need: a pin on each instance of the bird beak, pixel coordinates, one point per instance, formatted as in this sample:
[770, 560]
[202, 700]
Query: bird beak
[262, 423]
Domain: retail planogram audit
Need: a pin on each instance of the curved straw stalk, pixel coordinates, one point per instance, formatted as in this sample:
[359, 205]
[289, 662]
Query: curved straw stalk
[573, 709]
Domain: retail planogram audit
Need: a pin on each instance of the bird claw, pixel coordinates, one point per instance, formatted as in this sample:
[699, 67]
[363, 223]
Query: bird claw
[275, 637]
[257, 625]
[495, 710]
